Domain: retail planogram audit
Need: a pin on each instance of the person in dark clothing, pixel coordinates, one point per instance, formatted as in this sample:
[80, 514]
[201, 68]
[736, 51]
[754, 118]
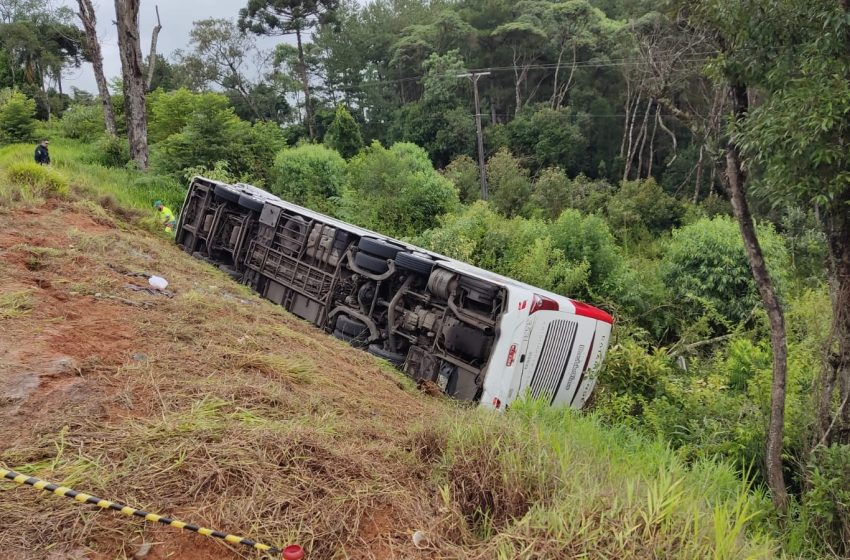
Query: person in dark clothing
[42, 156]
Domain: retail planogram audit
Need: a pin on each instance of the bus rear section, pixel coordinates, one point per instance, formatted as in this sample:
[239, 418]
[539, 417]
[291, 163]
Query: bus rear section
[441, 321]
[550, 349]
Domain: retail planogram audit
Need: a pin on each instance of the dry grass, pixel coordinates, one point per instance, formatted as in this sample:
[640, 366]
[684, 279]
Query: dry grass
[16, 303]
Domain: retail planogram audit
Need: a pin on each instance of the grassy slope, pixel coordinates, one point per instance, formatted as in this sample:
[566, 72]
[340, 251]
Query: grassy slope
[222, 409]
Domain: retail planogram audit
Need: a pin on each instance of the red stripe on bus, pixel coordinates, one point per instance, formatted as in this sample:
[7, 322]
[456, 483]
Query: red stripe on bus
[593, 312]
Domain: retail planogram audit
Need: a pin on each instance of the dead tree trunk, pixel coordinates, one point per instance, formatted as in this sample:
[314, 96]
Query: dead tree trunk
[630, 125]
[152, 53]
[87, 16]
[736, 183]
[305, 84]
[129, 46]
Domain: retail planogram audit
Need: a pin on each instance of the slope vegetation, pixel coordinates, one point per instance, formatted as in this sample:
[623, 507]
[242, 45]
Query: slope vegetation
[218, 408]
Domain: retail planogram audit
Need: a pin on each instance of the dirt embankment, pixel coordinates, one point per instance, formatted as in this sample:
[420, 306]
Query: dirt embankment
[212, 406]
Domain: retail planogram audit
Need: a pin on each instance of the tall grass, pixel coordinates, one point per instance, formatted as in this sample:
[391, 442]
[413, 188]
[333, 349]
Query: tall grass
[542, 482]
[75, 162]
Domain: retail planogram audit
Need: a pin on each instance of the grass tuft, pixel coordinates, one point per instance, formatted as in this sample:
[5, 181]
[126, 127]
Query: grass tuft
[30, 180]
[16, 304]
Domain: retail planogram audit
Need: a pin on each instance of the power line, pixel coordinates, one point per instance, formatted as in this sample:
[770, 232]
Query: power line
[695, 57]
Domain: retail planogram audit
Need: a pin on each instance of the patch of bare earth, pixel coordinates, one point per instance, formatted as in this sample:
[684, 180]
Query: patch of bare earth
[212, 406]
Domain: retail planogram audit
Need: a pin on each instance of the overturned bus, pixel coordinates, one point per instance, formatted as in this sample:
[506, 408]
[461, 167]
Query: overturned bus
[477, 335]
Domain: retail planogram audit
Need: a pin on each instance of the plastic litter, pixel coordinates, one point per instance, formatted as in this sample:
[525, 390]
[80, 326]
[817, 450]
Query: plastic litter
[420, 540]
[158, 282]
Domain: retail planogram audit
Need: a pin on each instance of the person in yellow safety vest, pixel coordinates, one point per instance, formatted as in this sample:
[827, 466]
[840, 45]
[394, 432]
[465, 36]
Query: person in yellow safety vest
[166, 216]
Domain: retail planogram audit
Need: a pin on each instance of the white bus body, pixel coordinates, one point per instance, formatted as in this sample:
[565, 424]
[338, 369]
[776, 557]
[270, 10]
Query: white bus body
[477, 335]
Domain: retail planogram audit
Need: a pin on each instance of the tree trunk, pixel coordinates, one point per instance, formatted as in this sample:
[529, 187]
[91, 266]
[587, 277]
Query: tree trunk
[130, 48]
[87, 16]
[736, 182]
[152, 53]
[630, 123]
[833, 426]
[698, 182]
[305, 84]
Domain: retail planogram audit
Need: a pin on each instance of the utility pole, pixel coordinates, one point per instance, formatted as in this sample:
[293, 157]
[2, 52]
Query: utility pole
[482, 169]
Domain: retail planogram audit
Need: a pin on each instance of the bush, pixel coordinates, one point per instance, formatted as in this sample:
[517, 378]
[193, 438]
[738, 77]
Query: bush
[213, 133]
[396, 191]
[551, 192]
[83, 122]
[17, 117]
[112, 151]
[587, 239]
[463, 172]
[530, 250]
[641, 207]
[310, 175]
[705, 263]
[826, 505]
[36, 180]
[509, 185]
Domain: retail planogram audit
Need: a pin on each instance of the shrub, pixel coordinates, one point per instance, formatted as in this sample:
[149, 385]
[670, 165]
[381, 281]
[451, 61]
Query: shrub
[551, 192]
[37, 180]
[344, 134]
[112, 151]
[83, 122]
[396, 190]
[826, 505]
[463, 172]
[705, 263]
[641, 207]
[508, 182]
[17, 117]
[587, 239]
[310, 175]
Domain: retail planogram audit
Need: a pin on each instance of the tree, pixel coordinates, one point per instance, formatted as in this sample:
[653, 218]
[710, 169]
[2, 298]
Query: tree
[223, 54]
[89, 19]
[286, 17]
[129, 46]
[344, 134]
[799, 137]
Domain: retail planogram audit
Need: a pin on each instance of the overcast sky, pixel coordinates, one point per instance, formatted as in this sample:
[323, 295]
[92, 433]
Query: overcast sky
[177, 17]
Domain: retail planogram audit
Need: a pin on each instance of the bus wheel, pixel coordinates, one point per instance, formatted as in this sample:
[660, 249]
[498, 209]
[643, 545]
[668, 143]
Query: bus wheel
[392, 357]
[414, 263]
[378, 248]
[350, 327]
[370, 263]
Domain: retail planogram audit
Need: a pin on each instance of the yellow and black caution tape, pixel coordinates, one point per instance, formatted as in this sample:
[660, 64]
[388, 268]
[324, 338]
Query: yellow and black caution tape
[83, 498]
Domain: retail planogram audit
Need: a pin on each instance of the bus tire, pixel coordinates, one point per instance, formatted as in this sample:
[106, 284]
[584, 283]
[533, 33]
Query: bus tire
[392, 357]
[350, 327]
[378, 248]
[226, 194]
[370, 263]
[355, 341]
[251, 203]
[414, 263]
